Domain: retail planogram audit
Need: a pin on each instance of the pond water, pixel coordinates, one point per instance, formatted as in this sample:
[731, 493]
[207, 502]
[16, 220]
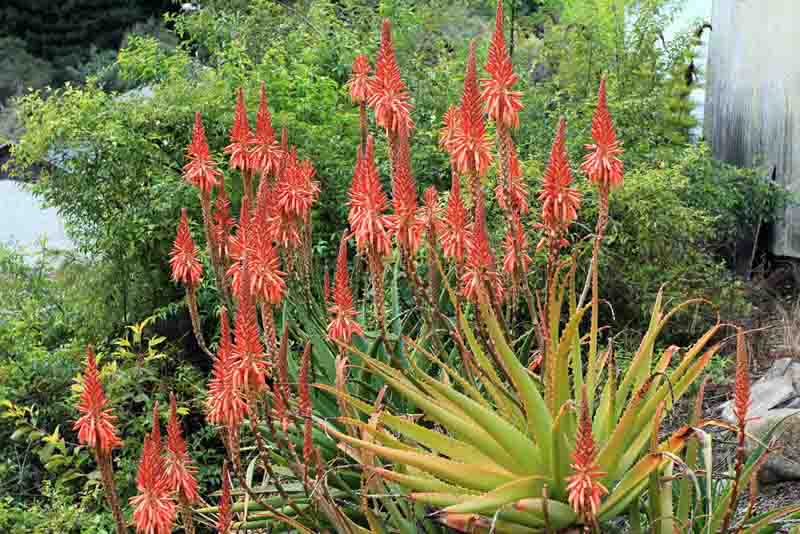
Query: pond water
[24, 221]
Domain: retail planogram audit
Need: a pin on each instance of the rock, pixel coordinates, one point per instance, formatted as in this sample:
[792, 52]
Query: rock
[766, 394]
[778, 388]
[784, 463]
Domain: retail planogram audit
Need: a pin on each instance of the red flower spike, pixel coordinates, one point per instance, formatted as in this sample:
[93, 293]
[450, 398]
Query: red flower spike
[741, 390]
[516, 242]
[480, 273]
[239, 148]
[225, 518]
[239, 245]
[456, 231]
[248, 352]
[501, 103]
[471, 149]
[405, 225]
[584, 488]
[178, 467]
[153, 507]
[513, 195]
[368, 204]
[225, 404]
[450, 120]
[296, 191]
[96, 424]
[267, 280]
[387, 92]
[431, 215]
[560, 202]
[602, 163]
[265, 151]
[343, 325]
[186, 268]
[359, 80]
[200, 170]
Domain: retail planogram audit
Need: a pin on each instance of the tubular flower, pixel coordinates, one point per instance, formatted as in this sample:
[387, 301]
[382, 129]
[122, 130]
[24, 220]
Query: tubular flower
[248, 353]
[265, 151]
[358, 84]
[431, 215]
[267, 280]
[501, 103]
[513, 195]
[387, 93]
[178, 467]
[741, 391]
[471, 149]
[584, 488]
[239, 148]
[448, 131]
[368, 204]
[516, 248]
[200, 170]
[186, 268]
[480, 273]
[225, 517]
[405, 224]
[225, 405]
[455, 232]
[602, 163]
[153, 507]
[96, 424]
[343, 325]
[223, 222]
[296, 191]
[240, 245]
[560, 202]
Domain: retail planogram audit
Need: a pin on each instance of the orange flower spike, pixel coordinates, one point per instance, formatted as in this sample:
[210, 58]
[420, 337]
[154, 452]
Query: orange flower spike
[240, 136]
[343, 325]
[368, 205]
[296, 191]
[431, 218]
[358, 84]
[239, 245]
[178, 466]
[471, 149]
[405, 224]
[447, 133]
[388, 95]
[225, 405]
[560, 202]
[501, 103]
[480, 273]
[96, 424]
[455, 232]
[265, 152]
[268, 281]
[200, 170]
[186, 268]
[741, 391]
[225, 517]
[584, 488]
[248, 352]
[153, 507]
[602, 163]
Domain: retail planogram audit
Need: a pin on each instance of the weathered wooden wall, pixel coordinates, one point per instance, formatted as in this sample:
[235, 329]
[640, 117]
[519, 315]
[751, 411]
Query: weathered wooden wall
[753, 94]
